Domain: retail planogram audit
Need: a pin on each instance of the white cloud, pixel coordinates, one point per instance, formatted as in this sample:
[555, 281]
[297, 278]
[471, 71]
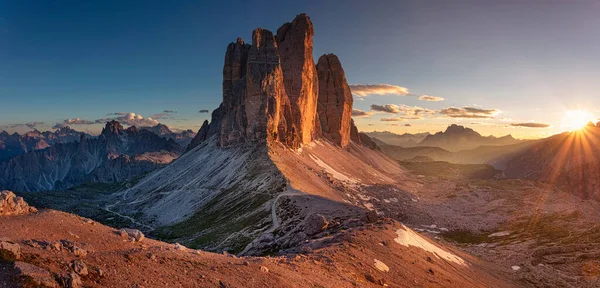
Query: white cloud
[363, 90]
[430, 98]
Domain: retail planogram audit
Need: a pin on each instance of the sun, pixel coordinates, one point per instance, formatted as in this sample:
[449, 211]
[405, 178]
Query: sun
[576, 119]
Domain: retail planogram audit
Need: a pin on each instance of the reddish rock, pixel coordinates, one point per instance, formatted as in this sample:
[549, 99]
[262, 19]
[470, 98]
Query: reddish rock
[354, 135]
[335, 100]
[295, 46]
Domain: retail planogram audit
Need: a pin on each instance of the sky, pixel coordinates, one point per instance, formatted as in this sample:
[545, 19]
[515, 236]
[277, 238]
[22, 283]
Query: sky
[515, 67]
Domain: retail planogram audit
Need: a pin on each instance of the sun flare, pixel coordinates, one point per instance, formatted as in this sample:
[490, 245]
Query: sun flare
[576, 119]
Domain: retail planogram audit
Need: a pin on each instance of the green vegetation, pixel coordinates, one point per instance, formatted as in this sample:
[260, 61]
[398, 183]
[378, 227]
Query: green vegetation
[225, 219]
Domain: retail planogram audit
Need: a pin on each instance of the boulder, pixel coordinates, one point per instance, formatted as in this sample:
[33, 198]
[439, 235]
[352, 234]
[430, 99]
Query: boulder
[37, 276]
[335, 100]
[135, 234]
[79, 267]
[314, 224]
[9, 251]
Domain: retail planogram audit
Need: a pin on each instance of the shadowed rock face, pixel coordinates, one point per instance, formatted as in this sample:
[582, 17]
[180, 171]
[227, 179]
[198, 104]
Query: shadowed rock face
[295, 45]
[335, 100]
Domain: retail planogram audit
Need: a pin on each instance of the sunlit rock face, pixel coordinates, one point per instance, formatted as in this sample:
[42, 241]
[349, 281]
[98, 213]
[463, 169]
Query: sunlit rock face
[295, 45]
[335, 101]
[271, 92]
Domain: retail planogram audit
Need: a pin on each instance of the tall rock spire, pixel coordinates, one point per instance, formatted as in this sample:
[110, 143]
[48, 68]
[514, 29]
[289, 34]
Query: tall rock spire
[335, 100]
[295, 47]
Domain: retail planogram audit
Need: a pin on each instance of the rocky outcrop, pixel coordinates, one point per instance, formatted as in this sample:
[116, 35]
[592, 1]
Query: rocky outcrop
[335, 100]
[354, 135]
[268, 110]
[271, 92]
[365, 140]
[295, 45]
[10, 204]
[200, 137]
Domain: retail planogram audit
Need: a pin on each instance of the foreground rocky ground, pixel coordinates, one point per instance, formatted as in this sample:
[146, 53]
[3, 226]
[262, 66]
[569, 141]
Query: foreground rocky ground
[57, 249]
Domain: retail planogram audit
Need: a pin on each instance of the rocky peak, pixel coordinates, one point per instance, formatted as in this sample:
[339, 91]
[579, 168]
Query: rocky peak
[200, 137]
[112, 128]
[335, 100]
[10, 204]
[295, 45]
[271, 91]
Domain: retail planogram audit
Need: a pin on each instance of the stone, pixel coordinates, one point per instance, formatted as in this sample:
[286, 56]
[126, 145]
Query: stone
[79, 267]
[135, 234]
[9, 251]
[264, 269]
[10, 204]
[314, 224]
[74, 281]
[295, 46]
[334, 101]
[35, 275]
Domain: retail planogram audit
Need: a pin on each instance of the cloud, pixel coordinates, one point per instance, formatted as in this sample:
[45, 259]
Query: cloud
[203, 111]
[169, 111]
[387, 108]
[31, 125]
[133, 119]
[430, 98]
[530, 125]
[117, 114]
[360, 113]
[160, 116]
[407, 125]
[362, 90]
[469, 112]
[391, 119]
[34, 124]
[75, 121]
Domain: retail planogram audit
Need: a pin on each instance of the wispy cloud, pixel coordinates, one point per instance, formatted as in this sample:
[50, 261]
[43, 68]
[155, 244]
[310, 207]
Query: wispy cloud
[169, 111]
[391, 119]
[530, 125]
[430, 98]
[360, 113]
[31, 125]
[363, 90]
[75, 121]
[469, 112]
[387, 108]
[203, 111]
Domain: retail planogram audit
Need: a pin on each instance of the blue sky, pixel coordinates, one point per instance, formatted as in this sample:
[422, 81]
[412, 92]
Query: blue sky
[529, 61]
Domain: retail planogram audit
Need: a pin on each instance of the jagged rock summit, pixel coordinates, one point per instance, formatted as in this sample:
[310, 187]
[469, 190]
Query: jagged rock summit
[271, 92]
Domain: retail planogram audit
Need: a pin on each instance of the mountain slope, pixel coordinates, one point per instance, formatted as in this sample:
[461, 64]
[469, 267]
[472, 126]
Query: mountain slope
[570, 160]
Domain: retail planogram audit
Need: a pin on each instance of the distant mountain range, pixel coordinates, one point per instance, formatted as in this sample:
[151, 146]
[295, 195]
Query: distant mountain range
[454, 138]
[12, 145]
[404, 140]
[182, 138]
[457, 138]
[115, 155]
